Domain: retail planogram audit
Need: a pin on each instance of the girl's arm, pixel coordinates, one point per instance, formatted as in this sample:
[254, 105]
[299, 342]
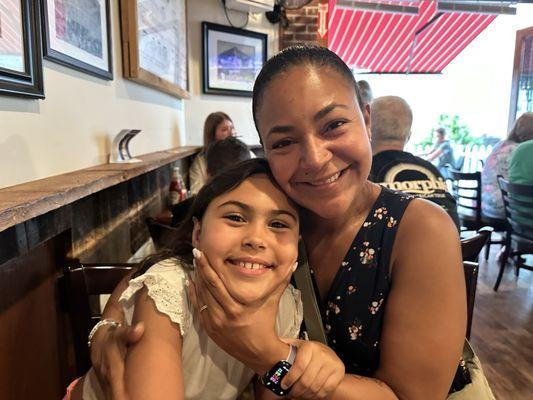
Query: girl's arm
[108, 346]
[153, 365]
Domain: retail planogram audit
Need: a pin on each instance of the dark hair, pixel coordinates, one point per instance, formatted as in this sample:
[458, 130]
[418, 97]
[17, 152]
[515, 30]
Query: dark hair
[441, 131]
[295, 56]
[210, 125]
[223, 182]
[223, 153]
[365, 91]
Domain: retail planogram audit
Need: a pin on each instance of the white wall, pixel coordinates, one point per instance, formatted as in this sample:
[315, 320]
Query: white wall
[71, 129]
[476, 85]
[200, 105]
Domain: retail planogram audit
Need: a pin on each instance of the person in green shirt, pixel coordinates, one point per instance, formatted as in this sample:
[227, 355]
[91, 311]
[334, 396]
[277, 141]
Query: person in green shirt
[521, 166]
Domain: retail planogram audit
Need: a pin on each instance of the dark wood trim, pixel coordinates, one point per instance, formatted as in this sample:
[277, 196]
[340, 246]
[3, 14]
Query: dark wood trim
[22, 202]
[30, 82]
[520, 36]
[74, 63]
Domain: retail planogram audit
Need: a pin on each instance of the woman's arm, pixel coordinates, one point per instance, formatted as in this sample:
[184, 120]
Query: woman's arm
[425, 318]
[153, 365]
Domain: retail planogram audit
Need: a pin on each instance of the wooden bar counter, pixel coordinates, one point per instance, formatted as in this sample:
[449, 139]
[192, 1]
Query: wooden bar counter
[95, 214]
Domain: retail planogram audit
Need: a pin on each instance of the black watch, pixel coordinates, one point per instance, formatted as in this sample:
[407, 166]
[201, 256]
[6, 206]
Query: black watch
[272, 379]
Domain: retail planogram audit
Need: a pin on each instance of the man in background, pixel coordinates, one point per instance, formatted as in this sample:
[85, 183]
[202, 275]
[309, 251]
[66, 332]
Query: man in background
[391, 119]
[442, 153]
[365, 92]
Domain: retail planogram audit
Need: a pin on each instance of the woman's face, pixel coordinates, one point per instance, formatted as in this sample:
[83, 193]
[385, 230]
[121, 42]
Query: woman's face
[316, 138]
[250, 237]
[224, 130]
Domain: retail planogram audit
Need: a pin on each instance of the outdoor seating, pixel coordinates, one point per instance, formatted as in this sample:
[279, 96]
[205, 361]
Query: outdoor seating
[518, 203]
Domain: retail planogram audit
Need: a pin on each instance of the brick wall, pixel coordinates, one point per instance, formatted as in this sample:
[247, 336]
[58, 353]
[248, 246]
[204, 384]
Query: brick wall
[302, 26]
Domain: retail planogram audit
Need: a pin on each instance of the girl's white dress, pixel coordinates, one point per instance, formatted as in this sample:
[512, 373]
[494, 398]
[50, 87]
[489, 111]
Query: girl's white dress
[208, 372]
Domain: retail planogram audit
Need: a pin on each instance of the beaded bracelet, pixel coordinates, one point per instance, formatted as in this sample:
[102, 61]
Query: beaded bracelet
[104, 322]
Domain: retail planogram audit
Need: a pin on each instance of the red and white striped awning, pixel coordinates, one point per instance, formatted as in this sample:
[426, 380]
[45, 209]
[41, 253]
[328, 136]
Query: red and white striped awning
[379, 42]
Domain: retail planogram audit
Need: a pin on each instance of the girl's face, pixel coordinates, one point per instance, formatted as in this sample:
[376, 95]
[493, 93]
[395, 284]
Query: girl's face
[250, 236]
[224, 130]
[316, 138]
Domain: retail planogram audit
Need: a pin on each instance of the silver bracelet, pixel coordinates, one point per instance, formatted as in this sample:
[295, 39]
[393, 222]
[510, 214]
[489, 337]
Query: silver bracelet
[104, 322]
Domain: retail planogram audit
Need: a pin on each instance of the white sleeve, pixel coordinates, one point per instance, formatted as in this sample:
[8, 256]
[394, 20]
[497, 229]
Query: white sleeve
[290, 314]
[165, 282]
[197, 173]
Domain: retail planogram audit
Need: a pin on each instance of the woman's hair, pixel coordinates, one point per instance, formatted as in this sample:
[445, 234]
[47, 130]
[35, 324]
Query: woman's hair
[223, 182]
[210, 126]
[296, 56]
[522, 129]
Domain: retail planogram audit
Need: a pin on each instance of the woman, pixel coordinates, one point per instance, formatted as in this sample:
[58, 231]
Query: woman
[497, 163]
[217, 126]
[387, 268]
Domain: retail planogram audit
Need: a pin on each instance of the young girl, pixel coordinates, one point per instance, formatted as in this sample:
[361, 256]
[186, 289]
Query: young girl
[248, 229]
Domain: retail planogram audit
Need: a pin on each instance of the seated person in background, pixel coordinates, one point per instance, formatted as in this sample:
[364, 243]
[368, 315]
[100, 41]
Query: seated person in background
[365, 91]
[219, 155]
[521, 164]
[497, 163]
[396, 169]
[442, 153]
[217, 126]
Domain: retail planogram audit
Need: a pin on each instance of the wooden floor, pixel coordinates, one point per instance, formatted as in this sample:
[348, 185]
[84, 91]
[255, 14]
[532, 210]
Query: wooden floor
[502, 330]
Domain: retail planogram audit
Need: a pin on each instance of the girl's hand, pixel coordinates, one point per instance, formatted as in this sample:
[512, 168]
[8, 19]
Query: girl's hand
[246, 332]
[316, 372]
[108, 353]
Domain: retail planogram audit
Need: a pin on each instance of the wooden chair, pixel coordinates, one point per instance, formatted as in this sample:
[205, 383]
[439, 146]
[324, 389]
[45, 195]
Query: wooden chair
[471, 247]
[466, 188]
[518, 204]
[163, 235]
[471, 271]
[79, 285]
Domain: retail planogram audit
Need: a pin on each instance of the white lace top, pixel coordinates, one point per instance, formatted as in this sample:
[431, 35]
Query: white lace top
[208, 372]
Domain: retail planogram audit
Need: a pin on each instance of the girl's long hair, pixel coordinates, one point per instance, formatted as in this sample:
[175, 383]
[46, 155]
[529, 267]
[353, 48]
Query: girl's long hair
[223, 182]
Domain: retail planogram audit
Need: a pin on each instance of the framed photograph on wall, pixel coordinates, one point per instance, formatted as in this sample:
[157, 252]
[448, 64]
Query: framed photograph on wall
[77, 33]
[21, 72]
[232, 59]
[154, 44]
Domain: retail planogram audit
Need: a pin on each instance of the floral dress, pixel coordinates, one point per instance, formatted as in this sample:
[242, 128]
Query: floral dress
[353, 309]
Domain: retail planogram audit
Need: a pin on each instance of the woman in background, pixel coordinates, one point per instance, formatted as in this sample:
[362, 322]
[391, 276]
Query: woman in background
[497, 163]
[217, 126]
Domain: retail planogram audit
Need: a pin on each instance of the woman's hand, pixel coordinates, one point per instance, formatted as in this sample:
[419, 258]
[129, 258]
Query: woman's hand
[108, 353]
[316, 372]
[247, 332]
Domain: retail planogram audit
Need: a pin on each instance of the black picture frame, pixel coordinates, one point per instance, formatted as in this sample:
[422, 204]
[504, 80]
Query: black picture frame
[249, 49]
[28, 83]
[70, 60]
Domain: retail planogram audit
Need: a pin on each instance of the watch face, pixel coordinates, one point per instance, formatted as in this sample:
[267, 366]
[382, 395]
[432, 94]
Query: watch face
[272, 379]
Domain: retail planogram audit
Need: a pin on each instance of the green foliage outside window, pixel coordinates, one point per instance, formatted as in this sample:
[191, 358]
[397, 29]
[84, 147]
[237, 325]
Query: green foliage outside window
[456, 132]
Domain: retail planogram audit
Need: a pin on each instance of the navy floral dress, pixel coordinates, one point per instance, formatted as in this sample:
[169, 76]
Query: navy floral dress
[353, 310]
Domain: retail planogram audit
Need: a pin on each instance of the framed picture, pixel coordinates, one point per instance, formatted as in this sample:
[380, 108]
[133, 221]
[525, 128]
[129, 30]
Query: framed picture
[154, 44]
[232, 59]
[21, 71]
[77, 33]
